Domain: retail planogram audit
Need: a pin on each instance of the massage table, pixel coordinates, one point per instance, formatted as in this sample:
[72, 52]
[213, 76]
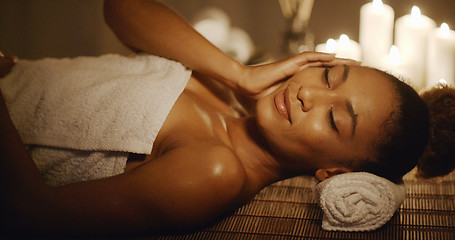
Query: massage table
[287, 210]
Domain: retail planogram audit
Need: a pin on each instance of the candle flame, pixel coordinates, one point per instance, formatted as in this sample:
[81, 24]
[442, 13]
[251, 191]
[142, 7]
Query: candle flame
[445, 30]
[394, 54]
[344, 41]
[331, 45]
[377, 5]
[416, 15]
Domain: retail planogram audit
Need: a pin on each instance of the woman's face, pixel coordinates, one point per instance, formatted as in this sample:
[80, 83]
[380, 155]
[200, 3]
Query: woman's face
[322, 117]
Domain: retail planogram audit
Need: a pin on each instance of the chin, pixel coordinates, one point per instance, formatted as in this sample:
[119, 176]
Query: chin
[268, 121]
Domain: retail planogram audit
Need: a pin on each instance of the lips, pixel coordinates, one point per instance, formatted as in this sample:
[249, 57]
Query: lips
[282, 104]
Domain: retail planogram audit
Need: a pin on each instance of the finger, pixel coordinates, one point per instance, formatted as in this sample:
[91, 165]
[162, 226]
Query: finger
[298, 62]
[312, 64]
[347, 61]
[306, 57]
[333, 63]
[6, 64]
[341, 62]
[8, 59]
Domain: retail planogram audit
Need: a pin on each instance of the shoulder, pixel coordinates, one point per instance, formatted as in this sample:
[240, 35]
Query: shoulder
[216, 166]
[199, 161]
[192, 185]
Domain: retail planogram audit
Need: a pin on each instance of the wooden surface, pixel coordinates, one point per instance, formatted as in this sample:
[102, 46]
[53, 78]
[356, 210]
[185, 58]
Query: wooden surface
[287, 210]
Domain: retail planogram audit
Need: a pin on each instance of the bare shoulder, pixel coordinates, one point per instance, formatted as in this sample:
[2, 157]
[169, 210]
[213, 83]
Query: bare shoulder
[216, 167]
[193, 185]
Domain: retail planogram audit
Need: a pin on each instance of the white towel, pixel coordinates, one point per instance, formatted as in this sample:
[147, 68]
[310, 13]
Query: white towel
[63, 166]
[106, 103]
[358, 201]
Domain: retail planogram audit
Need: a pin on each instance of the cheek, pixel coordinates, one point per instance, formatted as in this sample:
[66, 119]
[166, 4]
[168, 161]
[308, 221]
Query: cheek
[317, 126]
[313, 136]
[311, 125]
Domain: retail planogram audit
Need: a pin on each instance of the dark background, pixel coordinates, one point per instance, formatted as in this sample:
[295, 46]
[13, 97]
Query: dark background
[66, 28]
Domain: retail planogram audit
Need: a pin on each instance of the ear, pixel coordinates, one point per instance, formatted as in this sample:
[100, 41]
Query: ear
[323, 174]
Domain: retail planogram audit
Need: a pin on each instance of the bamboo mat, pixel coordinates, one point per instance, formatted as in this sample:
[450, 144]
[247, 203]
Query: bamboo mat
[287, 210]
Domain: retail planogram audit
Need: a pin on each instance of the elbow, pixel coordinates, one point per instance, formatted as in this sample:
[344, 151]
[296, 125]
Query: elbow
[110, 10]
[116, 10]
[120, 17]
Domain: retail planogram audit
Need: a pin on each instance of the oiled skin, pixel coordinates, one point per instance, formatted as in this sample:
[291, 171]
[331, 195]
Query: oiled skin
[207, 159]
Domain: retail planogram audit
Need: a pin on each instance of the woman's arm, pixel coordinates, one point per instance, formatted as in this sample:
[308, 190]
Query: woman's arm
[152, 27]
[149, 26]
[168, 194]
[19, 177]
[6, 64]
[14, 157]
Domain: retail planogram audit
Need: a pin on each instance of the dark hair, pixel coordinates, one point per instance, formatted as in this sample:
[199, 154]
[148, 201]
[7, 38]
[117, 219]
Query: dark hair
[439, 156]
[404, 134]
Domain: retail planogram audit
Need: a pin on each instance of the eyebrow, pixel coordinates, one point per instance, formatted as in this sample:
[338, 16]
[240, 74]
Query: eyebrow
[345, 72]
[351, 111]
[353, 115]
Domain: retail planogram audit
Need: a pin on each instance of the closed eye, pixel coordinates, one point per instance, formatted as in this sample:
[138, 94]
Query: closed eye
[332, 121]
[326, 77]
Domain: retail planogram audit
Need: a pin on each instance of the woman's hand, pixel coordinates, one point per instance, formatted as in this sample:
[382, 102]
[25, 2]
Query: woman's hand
[6, 64]
[256, 79]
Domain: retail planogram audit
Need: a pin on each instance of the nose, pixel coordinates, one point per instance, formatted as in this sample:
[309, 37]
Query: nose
[309, 97]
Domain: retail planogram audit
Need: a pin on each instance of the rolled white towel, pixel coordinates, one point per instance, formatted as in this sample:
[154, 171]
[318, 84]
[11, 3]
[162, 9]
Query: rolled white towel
[358, 201]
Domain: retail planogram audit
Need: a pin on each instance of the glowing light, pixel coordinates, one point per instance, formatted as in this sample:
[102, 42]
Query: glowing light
[445, 30]
[344, 41]
[416, 16]
[394, 55]
[377, 5]
[331, 45]
[214, 31]
[442, 81]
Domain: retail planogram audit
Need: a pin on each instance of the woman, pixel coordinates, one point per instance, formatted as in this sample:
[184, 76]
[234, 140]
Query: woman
[208, 159]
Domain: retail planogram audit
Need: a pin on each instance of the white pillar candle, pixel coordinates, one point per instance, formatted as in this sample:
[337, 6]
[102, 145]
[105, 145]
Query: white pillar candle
[343, 48]
[442, 81]
[396, 65]
[329, 47]
[214, 24]
[441, 56]
[411, 37]
[376, 31]
[239, 45]
[348, 48]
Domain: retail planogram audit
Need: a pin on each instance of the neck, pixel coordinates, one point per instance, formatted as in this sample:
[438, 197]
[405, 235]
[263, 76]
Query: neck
[261, 166]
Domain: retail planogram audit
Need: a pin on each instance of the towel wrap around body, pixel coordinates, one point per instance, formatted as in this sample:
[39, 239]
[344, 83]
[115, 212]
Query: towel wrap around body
[101, 107]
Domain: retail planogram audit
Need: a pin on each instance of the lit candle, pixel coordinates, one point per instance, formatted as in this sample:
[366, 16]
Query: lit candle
[348, 48]
[376, 31]
[214, 24]
[239, 45]
[329, 47]
[343, 48]
[441, 56]
[411, 37]
[442, 81]
[394, 64]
